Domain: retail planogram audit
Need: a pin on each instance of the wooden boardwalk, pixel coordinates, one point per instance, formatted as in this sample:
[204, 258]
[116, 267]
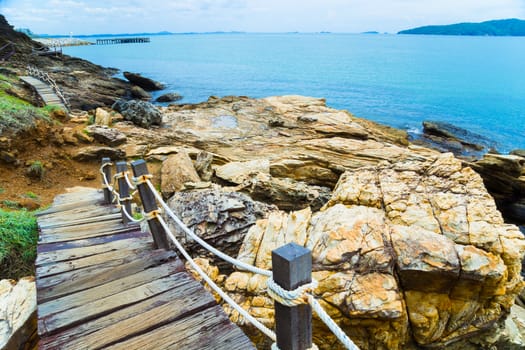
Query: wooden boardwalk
[45, 91]
[101, 285]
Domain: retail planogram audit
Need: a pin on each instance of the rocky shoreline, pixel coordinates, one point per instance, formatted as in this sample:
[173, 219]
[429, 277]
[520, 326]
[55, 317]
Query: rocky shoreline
[409, 247]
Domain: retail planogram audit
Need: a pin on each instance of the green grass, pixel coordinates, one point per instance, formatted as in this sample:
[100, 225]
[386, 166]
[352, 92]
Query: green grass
[17, 114]
[18, 238]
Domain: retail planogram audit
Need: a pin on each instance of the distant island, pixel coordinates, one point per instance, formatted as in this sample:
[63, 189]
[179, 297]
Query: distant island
[504, 27]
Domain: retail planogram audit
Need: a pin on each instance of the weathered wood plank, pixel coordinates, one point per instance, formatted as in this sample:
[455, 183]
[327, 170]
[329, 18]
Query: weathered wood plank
[75, 253]
[209, 329]
[76, 264]
[186, 297]
[116, 286]
[93, 230]
[74, 281]
[85, 212]
[83, 313]
[83, 243]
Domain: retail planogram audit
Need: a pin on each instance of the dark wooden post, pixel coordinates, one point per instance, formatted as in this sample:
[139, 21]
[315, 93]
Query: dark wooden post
[123, 190]
[108, 196]
[149, 204]
[292, 267]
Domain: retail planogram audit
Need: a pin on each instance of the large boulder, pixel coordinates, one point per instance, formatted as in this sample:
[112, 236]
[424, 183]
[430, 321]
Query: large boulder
[177, 170]
[95, 153]
[404, 255]
[18, 314]
[141, 113]
[145, 83]
[220, 217]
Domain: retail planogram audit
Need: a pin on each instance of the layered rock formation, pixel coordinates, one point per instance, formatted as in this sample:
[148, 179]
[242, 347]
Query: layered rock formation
[404, 254]
[409, 250]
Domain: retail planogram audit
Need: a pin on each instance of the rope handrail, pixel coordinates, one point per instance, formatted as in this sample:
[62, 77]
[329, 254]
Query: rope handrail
[301, 295]
[46, 78]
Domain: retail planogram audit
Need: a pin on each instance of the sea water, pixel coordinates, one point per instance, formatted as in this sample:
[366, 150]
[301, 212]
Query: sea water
[476, 83]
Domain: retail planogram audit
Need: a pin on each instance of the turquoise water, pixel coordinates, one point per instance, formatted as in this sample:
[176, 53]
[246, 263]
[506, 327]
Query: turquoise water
[477, 83]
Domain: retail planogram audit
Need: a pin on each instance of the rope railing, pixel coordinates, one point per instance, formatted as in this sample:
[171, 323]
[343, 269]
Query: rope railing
[4, 56]
[303, 295]
[46, 78]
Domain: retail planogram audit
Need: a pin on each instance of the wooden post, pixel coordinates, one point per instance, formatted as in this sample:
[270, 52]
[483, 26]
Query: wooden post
[149, 204]
[108, 196]
[123, 190]
[292, 267]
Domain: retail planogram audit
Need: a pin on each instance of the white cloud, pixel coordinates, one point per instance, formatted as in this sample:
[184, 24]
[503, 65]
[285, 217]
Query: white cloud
[97, 16]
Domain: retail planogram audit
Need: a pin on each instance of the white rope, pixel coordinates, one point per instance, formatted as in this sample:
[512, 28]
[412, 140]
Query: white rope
[289, 298]
[199, 240]
[330, 323]
[215, 287]
[131, 218]
[298, 294]
[131, 186]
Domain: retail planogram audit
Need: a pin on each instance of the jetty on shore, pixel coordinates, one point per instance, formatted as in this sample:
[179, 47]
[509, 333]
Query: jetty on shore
[134, 40]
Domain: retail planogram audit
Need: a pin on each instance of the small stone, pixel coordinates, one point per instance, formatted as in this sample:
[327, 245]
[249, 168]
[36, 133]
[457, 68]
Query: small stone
[169, 97]
[102, 117]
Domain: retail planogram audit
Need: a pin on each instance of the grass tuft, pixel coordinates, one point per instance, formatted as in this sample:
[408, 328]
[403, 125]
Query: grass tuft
[18, 239]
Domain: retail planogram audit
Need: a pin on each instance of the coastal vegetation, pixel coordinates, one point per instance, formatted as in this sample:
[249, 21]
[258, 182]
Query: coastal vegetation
[18, 237]
[505, 27]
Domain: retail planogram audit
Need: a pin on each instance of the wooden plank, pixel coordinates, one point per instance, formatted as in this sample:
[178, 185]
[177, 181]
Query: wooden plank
[118, 285]
[74, 281]
[186, 297]
[76, 253]
[79, 219]
[64, 266]
[81, 243]
[87, 211]
[83, 313]
[54, 234]
[88, 234]
[209, 329]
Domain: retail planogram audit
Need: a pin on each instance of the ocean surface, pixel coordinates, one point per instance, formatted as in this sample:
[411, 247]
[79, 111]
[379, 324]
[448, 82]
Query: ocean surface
[477, 83]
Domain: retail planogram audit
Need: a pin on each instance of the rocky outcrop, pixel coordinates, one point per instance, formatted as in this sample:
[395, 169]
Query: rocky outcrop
[403, 254]
[141, 113]
[169, 97]
[504, 177]
[18, 314]
[222, 218]
[143, 82]
[108, 136]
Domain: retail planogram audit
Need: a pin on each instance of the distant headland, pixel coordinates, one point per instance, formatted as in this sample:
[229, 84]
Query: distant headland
[504, 27]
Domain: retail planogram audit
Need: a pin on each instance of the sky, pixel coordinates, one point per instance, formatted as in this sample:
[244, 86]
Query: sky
[350, 16]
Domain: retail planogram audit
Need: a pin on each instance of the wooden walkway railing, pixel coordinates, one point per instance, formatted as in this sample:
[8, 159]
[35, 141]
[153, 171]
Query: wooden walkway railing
[7, 51]
[101, 284]
[46, 87]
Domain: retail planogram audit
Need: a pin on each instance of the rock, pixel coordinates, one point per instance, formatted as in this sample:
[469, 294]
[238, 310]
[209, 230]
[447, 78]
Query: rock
[238, 172]
[68, 135]
[60, 114]
[220, 218]
[108, 136]
[17, 313]
[8, 157]
[450, 138]
[403, 254]
[138, 92]
[96, 153]
[83, 137]
[102, 117]
[141, 113]
[504, 177]
[518, 152]
[5, 144]
[169, 97]
[286, 194]
[203, 165]
[176, 170]
[145, 83]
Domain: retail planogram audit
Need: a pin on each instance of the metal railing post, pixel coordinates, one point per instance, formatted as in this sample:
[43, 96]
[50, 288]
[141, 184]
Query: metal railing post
[123, 190]
[292, 267]
[149, 204]
[108, 196]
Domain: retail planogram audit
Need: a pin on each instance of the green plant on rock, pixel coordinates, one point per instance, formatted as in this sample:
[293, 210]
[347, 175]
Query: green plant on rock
[10, 204]
[36, 170]
[31, 195]
[18, 238]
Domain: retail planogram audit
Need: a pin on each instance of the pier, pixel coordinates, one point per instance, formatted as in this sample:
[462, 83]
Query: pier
[111, 41]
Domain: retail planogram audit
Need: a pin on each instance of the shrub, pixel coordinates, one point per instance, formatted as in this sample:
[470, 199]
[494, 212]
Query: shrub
[18, 238]
[36, 170]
